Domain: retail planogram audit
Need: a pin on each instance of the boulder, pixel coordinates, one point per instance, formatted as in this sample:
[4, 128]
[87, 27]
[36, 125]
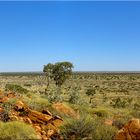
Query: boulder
[130, 131]
[20, 106]
[38, 117]
[60, 107]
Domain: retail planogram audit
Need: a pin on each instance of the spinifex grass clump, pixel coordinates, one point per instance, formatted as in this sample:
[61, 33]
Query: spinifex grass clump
[78, 128]
[16, 130]
[15, 88]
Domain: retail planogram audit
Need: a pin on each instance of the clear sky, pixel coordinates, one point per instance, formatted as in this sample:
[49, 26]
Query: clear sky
[94, 36]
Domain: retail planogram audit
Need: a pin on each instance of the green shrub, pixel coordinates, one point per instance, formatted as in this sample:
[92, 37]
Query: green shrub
[135, 114]
[90, 92]
[27, 85]
[15, 88]
[104, 132]
[4, 116]
[37, 103]
[78, 128]
[54, 97]
[119, 123]
[8, 105]
[119, 103]
[16, 130]
[101, 113]
[74, 97]
[137, 106]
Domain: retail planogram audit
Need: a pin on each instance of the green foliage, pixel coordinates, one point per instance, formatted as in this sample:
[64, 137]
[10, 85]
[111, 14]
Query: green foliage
[136, 106]
[90, 92]
[27, 85]
[54, 97]
[74, 97]
[103, 132]
[119, 123]
[16, 130]
[119, 103]
[37, 103]
[101, 113]
[4, 116]
[15, 88]
[8, 105]
[48, 70]
[78, 128]
[135, 113]
[59, 72]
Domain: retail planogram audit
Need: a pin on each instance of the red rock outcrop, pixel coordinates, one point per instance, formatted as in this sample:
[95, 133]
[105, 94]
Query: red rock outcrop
[60, 107]
[45, 124]
[130, 131]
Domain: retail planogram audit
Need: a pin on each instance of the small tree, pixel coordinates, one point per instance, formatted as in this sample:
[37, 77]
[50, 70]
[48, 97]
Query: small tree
[90, 92]
[48, 72]
[59, 72]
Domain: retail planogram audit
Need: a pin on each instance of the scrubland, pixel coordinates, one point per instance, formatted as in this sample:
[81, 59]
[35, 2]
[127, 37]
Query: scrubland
[91, 105]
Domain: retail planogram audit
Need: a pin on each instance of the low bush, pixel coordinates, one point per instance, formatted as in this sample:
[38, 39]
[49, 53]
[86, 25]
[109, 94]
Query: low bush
[101, 113]
[119, 103]
[16, 88]
[16, 130]
[74, 97]
[104, 132]
[37, 103]
[135, 114]
[54, 97]
[77, 128]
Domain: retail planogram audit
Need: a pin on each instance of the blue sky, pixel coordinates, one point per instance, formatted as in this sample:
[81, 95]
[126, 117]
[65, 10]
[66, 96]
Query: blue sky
[94, 36]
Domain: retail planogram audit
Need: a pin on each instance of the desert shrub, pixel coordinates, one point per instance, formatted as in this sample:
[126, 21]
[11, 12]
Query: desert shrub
[8, 105]
[37, 103]
[136, 106]
[54, 97]
[135, 113]
[74, 97]
[16, 130]
[103, 132]
[15, 88]
[27, 85]
[101, 113]
[4, 116]
[119, 103]
[90, 92]
[78, 128]
[119, 123]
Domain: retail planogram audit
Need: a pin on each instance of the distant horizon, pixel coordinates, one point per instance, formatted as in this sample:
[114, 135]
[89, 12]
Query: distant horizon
[75, 71]
[93, 35]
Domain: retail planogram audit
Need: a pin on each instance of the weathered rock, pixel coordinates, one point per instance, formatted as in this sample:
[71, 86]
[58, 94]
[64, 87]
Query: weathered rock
[11, 95]
[20, 106]
[3, 99]
[37, 128]
[1, 109]
[38, 117]
[60, 107]
[28, 120]
[47, 112]
[45, 124]
[130, 131]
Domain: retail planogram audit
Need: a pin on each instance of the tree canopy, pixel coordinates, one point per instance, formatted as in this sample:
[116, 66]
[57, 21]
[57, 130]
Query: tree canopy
[59, 72]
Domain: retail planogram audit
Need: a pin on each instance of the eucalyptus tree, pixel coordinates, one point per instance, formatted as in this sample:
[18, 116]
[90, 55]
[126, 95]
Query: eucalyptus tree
[59, 72]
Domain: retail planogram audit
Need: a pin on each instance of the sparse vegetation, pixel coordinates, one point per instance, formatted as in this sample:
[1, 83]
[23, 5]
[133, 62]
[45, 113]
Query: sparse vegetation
[16, 130]
[101, 97]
